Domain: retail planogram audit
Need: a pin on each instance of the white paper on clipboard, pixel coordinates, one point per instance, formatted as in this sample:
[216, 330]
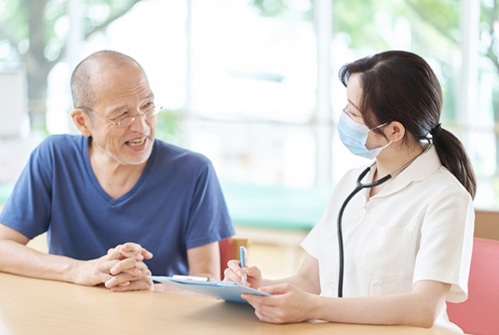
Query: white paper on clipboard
[227, 291]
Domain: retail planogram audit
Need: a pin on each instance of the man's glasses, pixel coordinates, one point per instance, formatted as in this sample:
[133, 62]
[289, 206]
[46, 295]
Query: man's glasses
[126, 120]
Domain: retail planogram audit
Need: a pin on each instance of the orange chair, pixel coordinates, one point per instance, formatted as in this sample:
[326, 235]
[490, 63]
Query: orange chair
[229, 249]
[479, 314]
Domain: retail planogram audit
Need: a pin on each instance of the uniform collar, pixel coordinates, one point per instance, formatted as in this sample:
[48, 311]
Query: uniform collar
[421, 168]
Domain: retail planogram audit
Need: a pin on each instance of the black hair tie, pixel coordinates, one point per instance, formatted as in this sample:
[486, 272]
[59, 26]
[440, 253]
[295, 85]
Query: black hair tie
[435, 130]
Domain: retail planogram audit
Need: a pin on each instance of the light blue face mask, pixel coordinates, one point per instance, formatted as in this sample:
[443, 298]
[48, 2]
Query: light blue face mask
[354, 137]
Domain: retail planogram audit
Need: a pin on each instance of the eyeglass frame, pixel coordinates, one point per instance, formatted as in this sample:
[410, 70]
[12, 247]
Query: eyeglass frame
[132, 118]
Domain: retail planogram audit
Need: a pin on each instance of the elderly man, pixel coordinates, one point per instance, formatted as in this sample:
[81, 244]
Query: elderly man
[114, 196]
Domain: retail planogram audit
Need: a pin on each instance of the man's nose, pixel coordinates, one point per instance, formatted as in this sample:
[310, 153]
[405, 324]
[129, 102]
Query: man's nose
[139, 122]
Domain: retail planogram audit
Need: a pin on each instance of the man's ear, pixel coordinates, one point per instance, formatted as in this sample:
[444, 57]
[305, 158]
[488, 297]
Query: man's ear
[82, 122]
[395, 131]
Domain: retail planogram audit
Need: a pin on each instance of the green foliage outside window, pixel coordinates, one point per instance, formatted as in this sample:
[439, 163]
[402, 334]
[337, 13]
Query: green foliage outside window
[34, 32]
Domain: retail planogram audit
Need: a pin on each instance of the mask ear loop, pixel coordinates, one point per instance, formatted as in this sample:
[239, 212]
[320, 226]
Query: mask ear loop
[379, 126]
[386, 145]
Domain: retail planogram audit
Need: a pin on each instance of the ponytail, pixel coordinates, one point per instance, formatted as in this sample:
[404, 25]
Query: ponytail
[453, 156]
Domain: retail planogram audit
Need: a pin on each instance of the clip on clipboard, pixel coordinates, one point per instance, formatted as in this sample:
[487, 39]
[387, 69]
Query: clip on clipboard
[227, 291]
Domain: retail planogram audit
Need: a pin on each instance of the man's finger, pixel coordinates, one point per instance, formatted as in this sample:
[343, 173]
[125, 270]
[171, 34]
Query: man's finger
[125, 265]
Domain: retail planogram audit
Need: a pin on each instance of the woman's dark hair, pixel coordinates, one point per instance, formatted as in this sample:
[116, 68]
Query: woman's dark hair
[401, 86]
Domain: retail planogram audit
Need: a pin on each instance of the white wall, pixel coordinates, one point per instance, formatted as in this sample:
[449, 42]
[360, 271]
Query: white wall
[13, 103]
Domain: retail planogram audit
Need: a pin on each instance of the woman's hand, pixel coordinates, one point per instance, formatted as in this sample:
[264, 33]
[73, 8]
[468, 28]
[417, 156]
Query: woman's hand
[287, 304]
[234, 273]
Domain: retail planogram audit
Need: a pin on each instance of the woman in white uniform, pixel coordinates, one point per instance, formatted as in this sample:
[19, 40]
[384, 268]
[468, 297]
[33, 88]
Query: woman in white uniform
[403, 244]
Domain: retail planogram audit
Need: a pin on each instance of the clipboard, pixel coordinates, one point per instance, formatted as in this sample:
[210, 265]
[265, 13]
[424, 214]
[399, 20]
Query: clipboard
[227, 291]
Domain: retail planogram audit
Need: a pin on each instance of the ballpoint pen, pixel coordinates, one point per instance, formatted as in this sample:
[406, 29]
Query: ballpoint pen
[243, 253]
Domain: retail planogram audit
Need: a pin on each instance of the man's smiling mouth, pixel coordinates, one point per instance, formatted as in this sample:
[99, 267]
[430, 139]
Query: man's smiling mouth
[136, 142]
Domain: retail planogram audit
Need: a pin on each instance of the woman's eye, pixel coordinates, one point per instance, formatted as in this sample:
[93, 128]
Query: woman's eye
[348, 111]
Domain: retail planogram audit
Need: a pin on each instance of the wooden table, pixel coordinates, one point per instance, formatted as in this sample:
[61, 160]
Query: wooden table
[33, 306]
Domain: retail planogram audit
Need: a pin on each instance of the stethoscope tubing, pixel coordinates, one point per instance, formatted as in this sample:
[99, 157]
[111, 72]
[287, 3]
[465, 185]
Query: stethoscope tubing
[359, 187]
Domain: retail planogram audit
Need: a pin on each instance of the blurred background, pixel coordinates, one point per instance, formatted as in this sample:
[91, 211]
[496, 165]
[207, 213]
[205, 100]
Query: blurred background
[252, 84]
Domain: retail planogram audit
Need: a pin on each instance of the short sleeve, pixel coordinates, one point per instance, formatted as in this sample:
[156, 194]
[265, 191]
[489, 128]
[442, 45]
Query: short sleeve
[28, 208]
[209, 219]
[447, 243]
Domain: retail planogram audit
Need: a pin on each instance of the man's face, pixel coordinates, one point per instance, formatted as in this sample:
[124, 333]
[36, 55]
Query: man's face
[123, 92]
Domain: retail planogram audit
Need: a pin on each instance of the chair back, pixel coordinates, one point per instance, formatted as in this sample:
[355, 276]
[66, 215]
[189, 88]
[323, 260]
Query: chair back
[229, 249]
[479, 314]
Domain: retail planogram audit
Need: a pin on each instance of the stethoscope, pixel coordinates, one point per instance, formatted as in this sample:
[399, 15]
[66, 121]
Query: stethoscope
[359, 187]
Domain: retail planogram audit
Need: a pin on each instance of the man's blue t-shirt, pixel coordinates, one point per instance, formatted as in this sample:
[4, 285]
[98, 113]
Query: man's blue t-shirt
[177, 204]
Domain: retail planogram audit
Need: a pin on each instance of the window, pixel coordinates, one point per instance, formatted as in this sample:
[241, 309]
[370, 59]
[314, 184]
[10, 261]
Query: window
[253, 84]
[253, 81]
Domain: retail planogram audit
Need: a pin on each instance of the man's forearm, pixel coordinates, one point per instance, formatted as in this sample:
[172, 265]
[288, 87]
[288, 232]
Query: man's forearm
[19, 259]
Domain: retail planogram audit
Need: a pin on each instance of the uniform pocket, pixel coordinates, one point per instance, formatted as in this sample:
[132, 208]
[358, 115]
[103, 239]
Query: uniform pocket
[386, 253]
